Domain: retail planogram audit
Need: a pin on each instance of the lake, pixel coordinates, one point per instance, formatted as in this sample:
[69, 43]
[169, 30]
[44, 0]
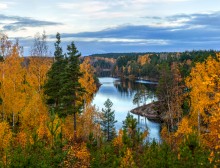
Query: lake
[121, 93]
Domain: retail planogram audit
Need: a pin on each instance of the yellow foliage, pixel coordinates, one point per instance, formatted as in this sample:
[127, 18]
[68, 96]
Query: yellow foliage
[68, 128]
[37, 70]
[218, 56]
[212, 139]
[87, 80]
[165, 134]
[205, 97]
[203, 82]
[118, 141]
[128, 161]
[143, 59]
[35, 112]
[22, 96]
[21, 139]
[184, 128]
[170, 138]
[12, 86]
[86, 124]
[5, 135]
[78, 156]
[42, 131]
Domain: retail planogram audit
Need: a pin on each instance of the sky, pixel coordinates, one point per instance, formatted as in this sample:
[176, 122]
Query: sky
[106, 26]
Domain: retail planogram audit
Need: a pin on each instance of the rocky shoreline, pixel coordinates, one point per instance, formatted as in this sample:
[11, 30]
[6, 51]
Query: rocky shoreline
[149, 111]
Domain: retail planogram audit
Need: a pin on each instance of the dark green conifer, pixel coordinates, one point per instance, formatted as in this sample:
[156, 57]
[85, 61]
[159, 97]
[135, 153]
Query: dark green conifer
[54, 84]
[108, 121]
[71, 92]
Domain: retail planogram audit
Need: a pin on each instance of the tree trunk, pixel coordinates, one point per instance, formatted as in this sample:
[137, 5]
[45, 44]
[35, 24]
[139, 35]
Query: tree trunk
[108, 131]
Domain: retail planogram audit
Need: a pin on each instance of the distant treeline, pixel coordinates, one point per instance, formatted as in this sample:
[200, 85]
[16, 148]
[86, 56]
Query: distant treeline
[116, 55]
[146, 65]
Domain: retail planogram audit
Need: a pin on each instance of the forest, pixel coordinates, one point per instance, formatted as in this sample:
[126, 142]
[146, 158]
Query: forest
[146, 65]
[47, 119]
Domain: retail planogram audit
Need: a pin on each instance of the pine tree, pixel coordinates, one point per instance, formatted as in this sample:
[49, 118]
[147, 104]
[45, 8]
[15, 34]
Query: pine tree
[54, 85]
[72, 90]
[108, 121]
[130, 130]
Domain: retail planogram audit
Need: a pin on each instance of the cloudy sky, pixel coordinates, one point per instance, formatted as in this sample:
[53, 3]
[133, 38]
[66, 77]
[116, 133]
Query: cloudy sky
[102, 26]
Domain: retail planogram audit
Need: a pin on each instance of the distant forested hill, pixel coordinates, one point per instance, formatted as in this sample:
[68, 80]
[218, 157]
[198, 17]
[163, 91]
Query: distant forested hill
[145, 65]
[116, 55]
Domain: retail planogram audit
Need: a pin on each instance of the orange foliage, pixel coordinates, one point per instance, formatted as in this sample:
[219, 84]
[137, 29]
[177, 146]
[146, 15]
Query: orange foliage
[205, 97]
[212, 139]
[33, 113]
[21, 92]
[12, 86]
[68, 128]
[86, 124]
[78, 156]
[143, 59]
[37, 70]
[87, 80]
[5, 142]
[166, 135]
[21, 139]
[184, 129]
[118, 141]
[128, 161]
[5, 135]
[42, 130]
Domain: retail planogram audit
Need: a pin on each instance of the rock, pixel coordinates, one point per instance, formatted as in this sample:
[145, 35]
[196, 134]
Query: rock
[149, 111]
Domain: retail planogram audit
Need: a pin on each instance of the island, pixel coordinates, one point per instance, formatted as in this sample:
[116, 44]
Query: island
[149, 111]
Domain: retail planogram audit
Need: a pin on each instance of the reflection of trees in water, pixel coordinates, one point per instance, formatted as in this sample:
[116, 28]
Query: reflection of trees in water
[142, 95]
[128, 88]
[103, 73]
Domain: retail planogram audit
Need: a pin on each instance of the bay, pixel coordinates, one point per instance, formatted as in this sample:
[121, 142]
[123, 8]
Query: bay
[121, 93]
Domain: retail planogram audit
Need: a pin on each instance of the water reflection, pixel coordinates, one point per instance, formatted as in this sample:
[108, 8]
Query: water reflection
[129, 88]
[121, 93]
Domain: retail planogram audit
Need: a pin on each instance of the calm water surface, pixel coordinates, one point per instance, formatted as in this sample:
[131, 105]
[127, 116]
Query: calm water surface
[121, 93]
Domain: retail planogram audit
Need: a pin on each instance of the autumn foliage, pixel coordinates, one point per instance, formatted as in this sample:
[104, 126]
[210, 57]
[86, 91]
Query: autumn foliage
[32, 134]
[204, 86]
[25, 119]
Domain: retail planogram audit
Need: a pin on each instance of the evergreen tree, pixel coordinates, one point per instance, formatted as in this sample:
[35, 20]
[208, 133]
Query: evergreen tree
[130, 130]
[108, 121]
[54, 84]
[137, 98]
[132, 136]
[72, 90]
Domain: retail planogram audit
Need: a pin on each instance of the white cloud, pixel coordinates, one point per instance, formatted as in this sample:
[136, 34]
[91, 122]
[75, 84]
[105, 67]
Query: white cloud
[3, 6]
[87, 7]
[120, 40]
[152, 1]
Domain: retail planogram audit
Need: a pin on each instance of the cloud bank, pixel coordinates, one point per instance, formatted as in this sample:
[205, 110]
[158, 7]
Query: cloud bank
[177, 32]
[15, 23]
[188, 32]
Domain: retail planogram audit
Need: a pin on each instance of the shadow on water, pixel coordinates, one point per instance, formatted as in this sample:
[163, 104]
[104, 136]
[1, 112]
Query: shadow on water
[121, 93]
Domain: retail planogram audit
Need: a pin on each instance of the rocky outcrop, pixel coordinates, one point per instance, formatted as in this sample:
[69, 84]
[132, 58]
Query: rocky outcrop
[149, 111]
